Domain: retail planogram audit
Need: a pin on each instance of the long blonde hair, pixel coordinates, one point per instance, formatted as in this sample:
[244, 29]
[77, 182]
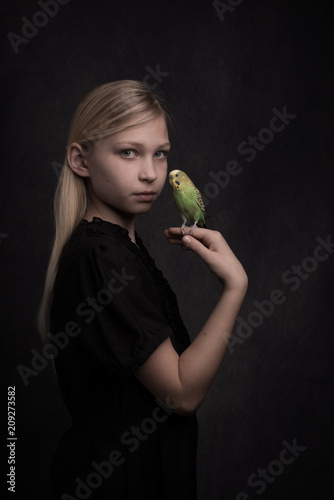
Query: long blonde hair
[107, 109]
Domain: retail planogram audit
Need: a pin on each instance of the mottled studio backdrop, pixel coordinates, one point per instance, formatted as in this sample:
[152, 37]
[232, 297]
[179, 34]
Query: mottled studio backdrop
[249, 85]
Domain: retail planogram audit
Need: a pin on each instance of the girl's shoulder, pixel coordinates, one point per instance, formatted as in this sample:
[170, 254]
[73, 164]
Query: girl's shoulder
[95, 247]
[98, 243]
[99, 233]
[100, 228]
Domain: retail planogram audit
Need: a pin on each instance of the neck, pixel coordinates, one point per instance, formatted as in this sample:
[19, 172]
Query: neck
[96, 208]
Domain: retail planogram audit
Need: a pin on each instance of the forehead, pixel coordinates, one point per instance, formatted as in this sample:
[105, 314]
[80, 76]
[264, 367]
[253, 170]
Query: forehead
[152, 131]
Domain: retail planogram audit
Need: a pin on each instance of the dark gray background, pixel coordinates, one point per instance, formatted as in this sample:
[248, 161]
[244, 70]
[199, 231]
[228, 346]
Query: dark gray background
[225, 76]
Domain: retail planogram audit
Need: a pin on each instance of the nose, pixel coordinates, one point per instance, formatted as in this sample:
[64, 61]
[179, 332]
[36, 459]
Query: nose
[148, 171]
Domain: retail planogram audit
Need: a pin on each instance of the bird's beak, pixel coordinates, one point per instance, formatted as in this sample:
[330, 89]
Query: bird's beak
[171, 178]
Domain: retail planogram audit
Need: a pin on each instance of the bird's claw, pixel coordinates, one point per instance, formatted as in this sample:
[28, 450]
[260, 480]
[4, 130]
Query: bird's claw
[193, 227]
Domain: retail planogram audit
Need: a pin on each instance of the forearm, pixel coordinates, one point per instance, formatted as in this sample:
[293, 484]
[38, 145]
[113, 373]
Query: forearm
[199, 363]
[183, 381]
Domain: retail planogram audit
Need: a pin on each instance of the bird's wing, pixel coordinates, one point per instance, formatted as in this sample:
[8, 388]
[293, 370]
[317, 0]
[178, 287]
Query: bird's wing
[199, 200]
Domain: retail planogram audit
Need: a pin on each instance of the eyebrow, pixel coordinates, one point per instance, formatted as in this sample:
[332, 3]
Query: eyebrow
[138, 144]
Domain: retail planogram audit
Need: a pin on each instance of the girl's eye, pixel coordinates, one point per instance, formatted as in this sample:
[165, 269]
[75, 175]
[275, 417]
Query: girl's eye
[128, 153]
[161, 154]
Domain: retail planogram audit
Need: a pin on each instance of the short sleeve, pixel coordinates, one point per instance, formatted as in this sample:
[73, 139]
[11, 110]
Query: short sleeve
[116, 305]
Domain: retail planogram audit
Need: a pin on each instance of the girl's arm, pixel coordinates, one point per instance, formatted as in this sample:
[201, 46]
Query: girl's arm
[183, 381]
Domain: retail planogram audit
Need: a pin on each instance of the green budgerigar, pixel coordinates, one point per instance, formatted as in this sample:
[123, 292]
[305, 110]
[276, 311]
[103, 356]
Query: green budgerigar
[188, 200]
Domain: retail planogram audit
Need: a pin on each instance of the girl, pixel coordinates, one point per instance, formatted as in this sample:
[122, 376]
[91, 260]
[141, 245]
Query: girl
[127, 372]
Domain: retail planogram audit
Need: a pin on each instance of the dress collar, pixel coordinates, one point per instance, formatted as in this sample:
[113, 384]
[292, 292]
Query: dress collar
[112, 228]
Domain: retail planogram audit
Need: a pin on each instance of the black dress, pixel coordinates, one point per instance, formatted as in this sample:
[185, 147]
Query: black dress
[111, 309]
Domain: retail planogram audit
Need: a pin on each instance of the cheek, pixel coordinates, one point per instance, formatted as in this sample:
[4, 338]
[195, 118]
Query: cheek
[162, 176]
[103, 184]
[107, 177]
[116, 185]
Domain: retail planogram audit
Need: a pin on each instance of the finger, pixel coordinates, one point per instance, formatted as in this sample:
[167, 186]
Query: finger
[174, 241]
[171, 236]
[173, 232]
[196, 246]
[198, 233]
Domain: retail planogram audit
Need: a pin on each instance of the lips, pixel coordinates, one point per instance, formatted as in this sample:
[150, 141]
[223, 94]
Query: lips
[145, 195]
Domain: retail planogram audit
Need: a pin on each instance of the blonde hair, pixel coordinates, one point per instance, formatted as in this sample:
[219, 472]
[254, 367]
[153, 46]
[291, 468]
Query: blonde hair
[106, 110]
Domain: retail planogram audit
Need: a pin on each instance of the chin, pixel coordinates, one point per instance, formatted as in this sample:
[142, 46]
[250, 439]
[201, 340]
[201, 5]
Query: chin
[143, 209]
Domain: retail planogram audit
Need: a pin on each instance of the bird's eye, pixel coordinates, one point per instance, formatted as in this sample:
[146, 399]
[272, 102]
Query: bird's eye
[176, 175]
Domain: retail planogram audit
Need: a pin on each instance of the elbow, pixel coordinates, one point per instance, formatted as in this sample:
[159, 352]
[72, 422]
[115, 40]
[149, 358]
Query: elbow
[178, 406]
[186, 408]
[185, 412]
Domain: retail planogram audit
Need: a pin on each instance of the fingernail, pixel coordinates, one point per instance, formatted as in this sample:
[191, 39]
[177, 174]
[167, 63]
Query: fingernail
[187, 240]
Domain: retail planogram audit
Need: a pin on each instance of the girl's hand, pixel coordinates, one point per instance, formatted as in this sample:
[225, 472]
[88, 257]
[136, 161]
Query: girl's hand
[212, 248]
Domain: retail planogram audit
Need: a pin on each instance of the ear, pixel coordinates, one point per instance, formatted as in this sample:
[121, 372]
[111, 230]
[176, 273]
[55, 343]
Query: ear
[76, 160]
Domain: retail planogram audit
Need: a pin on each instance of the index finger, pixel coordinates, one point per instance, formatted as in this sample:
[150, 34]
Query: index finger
[198, 233]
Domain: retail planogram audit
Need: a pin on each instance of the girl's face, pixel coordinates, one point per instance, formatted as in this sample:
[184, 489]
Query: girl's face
[127, 171]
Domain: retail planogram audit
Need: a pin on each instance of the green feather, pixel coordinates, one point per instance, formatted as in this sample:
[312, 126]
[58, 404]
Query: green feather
[187, 198]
